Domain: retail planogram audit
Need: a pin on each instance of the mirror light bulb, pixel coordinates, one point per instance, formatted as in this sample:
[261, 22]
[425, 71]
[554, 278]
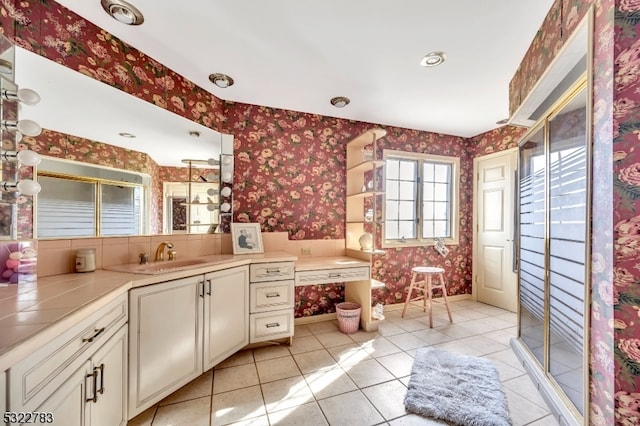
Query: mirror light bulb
[28, 187]
[226, 177]
[25, 96]
[25, 127]
[26, 157]
[225, 192]
[29, 158]
[28, 97]
[225, 207]
[226, 160]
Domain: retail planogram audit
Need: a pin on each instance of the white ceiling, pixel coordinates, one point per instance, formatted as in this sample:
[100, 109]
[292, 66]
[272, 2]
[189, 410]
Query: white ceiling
[297, 55]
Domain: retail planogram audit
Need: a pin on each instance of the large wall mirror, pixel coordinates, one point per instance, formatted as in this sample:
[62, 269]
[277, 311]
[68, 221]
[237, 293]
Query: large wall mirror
[92, 131]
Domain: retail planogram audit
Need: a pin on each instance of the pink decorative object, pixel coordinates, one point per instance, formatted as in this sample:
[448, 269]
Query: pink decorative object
[348, 317]
[18, 262]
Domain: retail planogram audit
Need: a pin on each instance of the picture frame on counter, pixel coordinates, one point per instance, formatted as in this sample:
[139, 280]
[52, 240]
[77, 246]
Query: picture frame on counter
[247, 238]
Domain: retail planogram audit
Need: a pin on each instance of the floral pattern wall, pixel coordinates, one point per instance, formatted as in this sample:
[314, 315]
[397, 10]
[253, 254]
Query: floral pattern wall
[290, 176]
[626, 210]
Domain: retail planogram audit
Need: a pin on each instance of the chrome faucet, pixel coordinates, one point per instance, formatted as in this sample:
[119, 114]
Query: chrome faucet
[160, 250]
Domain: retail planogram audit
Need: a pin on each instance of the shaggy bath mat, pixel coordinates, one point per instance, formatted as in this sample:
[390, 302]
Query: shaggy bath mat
[460, 389]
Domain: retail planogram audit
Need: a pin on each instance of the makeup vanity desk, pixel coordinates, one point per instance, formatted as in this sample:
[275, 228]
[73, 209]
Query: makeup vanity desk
[354, 273]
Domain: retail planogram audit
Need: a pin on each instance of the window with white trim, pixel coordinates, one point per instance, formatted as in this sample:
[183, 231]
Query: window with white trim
[421, 198]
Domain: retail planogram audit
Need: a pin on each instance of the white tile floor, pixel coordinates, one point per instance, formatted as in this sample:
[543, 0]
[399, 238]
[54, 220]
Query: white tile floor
[329, 378]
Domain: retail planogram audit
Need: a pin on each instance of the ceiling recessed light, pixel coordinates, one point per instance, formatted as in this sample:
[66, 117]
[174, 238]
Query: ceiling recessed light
[433, 59]
[122, 12]
[221, 80]
[127, 135]
[340, 101]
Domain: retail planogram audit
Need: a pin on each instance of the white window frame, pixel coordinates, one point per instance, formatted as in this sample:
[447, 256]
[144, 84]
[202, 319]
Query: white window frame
[454, 206]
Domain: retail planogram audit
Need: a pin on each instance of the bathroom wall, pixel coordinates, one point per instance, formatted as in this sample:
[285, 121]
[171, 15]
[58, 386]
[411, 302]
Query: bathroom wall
[615, 358]
[615, 255]
[290, 173]
[289, 165]
[291, 177]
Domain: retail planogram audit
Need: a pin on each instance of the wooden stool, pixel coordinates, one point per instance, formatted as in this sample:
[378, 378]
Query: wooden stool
[427, 286]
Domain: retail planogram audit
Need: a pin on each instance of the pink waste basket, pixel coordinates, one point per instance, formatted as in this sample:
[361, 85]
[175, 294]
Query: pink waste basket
[348, 317]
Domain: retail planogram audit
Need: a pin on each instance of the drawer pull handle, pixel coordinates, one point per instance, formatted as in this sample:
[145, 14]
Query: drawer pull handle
[335, 275]
[101, 368]
[97, 332]
[273, 270]
[201, 288]
[273, 324]
[270, 295]
[94, 382]
[209, 288]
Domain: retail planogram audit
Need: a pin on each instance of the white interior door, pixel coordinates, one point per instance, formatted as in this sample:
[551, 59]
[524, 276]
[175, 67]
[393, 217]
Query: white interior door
[495, 281]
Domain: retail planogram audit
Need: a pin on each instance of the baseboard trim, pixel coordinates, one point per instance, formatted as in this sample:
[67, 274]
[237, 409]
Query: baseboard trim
[390, 308]
[559, 409]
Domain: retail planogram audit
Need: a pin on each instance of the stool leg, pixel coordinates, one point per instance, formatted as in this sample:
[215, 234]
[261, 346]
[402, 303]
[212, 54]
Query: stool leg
[444, 295]
[430, 295]
[424, 295]
[413, 282]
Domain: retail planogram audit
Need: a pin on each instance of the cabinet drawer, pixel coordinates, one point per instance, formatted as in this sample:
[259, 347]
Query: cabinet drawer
[34, 378]
[269, 296]
[271, 271]
[270, 325]
[337, 275]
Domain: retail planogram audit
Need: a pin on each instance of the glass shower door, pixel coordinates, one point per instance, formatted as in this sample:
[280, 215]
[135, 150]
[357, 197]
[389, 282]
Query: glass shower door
[532, 243]
[568, 246]
[553, 246]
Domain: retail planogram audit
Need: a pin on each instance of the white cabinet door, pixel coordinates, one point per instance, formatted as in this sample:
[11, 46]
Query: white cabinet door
[226, 314]
[165, 339]
[68, 404]
[110, 362]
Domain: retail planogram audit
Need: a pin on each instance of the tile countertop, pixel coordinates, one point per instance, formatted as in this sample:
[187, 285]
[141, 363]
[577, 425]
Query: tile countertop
[34, 313]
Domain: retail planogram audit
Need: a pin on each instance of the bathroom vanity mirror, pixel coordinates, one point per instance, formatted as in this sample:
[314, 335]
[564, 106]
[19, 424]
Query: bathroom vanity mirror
[76, 106]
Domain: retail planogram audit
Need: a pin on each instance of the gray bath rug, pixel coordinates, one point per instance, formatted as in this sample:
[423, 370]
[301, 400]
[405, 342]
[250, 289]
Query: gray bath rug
[459, 389]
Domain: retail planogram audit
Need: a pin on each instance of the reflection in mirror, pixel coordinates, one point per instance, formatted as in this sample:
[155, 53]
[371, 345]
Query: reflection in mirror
[81, 200]
[8, 113]
[90, 122]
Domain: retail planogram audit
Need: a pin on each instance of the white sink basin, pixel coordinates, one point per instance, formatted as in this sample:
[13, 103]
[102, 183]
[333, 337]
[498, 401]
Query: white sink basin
[159, 267]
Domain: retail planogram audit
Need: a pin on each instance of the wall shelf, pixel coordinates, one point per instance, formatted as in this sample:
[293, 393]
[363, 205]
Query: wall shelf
[364, 170]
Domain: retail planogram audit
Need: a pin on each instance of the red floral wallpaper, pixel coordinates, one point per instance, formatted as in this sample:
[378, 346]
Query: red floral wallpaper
[563, 17]
[624, 302]
[291, 177]
[496, 140]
